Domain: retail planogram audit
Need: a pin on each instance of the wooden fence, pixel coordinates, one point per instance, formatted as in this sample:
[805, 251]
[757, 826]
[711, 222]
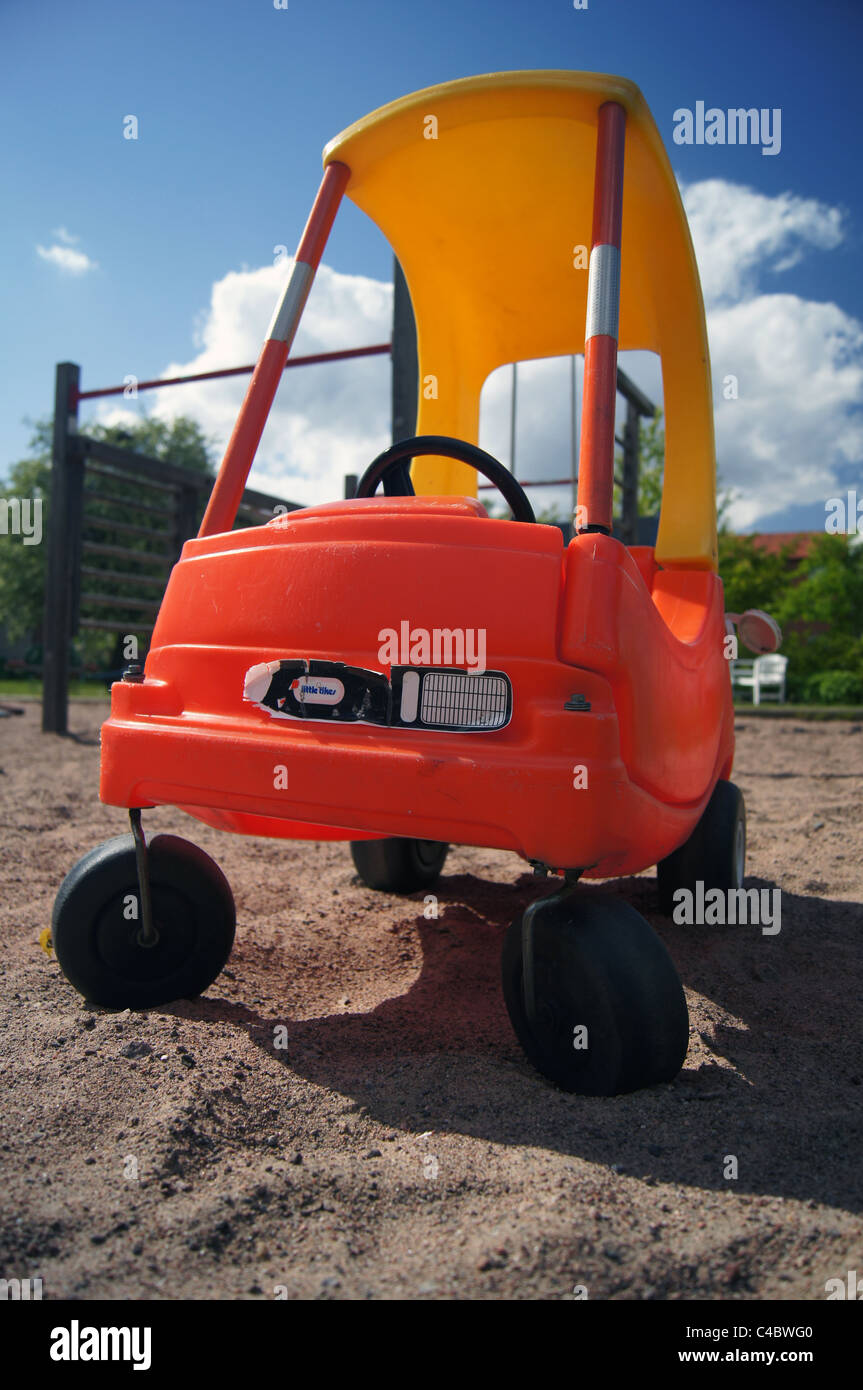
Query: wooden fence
[117, 523]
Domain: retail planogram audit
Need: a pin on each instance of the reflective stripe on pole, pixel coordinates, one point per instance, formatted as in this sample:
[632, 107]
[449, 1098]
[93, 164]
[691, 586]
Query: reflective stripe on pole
[599, 396]
[239, 455]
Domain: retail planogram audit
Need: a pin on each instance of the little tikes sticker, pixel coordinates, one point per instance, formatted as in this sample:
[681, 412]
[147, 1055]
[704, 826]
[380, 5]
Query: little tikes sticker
[317, 691]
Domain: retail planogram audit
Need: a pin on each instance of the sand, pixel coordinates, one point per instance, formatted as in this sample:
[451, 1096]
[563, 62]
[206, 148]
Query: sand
[402, 1146]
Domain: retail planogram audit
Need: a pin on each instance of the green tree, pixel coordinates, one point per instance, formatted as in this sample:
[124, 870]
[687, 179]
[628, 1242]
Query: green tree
[817, 602]
[651, 466]
[22, 568]
[651, 473]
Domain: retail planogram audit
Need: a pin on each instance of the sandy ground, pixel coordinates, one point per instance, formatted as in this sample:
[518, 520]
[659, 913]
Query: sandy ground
[403, 1147]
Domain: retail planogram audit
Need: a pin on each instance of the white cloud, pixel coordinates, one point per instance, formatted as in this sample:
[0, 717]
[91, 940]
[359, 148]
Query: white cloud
[799, 365]
[327, 420]
[797, 420]
[66, 258]
[739, 233]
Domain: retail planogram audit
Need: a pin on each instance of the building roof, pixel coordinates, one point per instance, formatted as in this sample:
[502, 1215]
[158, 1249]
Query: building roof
[775, 541]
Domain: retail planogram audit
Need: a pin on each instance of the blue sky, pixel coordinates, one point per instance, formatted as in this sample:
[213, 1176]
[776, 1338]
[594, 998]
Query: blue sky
[236, 99]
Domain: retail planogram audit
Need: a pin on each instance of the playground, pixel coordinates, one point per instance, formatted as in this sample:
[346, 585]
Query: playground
[400, 1144]
[411, 907]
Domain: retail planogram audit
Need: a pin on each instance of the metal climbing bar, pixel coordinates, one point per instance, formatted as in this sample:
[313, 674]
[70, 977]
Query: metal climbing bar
[310, 360]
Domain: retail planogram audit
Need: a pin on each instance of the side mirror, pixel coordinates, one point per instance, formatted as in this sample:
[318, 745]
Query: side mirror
[757, 631]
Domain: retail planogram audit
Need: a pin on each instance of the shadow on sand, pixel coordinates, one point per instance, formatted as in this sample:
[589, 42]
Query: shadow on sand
[773, 1019]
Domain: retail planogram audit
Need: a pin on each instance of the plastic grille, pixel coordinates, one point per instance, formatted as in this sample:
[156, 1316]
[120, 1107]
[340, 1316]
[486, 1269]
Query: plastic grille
[461, 701]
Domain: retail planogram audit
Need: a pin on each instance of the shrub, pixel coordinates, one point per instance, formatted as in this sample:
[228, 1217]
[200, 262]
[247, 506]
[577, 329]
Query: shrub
[834, 688]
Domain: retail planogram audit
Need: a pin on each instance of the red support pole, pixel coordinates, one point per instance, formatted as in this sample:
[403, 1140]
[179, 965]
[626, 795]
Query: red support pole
[240, 453]
[596, 452]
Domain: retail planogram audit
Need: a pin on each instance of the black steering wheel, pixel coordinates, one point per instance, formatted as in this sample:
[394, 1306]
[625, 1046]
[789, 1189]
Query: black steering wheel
[390, 468]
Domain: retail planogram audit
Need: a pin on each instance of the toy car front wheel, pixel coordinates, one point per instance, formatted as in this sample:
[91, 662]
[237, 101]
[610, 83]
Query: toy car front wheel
[398, 865]
[610, 1012]
[97, 932]
[714, 854]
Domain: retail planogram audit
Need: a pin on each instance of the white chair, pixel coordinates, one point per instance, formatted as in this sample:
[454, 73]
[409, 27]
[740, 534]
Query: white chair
[769, 675]
[743, 674]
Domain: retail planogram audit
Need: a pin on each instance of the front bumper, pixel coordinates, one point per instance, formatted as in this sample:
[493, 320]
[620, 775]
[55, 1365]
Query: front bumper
[516, 788]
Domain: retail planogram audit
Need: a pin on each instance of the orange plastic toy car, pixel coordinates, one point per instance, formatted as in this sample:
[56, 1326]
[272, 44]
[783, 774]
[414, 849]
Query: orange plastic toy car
[421, 673]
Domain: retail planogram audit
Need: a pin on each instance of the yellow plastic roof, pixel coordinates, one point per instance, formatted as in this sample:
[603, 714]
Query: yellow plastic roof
[485, 219]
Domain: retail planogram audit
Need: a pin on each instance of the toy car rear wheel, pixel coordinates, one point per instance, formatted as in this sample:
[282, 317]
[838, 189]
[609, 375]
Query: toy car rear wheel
[611, 1014]
[399, 865]
[714, 854]
[97, 932]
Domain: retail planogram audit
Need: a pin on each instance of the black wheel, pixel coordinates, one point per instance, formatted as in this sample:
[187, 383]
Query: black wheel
[399, 866]
[96, 926]
[611, 1014]
[714, 854]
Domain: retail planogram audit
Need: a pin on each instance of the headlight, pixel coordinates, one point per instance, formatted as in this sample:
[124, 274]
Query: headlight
[447, 699]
